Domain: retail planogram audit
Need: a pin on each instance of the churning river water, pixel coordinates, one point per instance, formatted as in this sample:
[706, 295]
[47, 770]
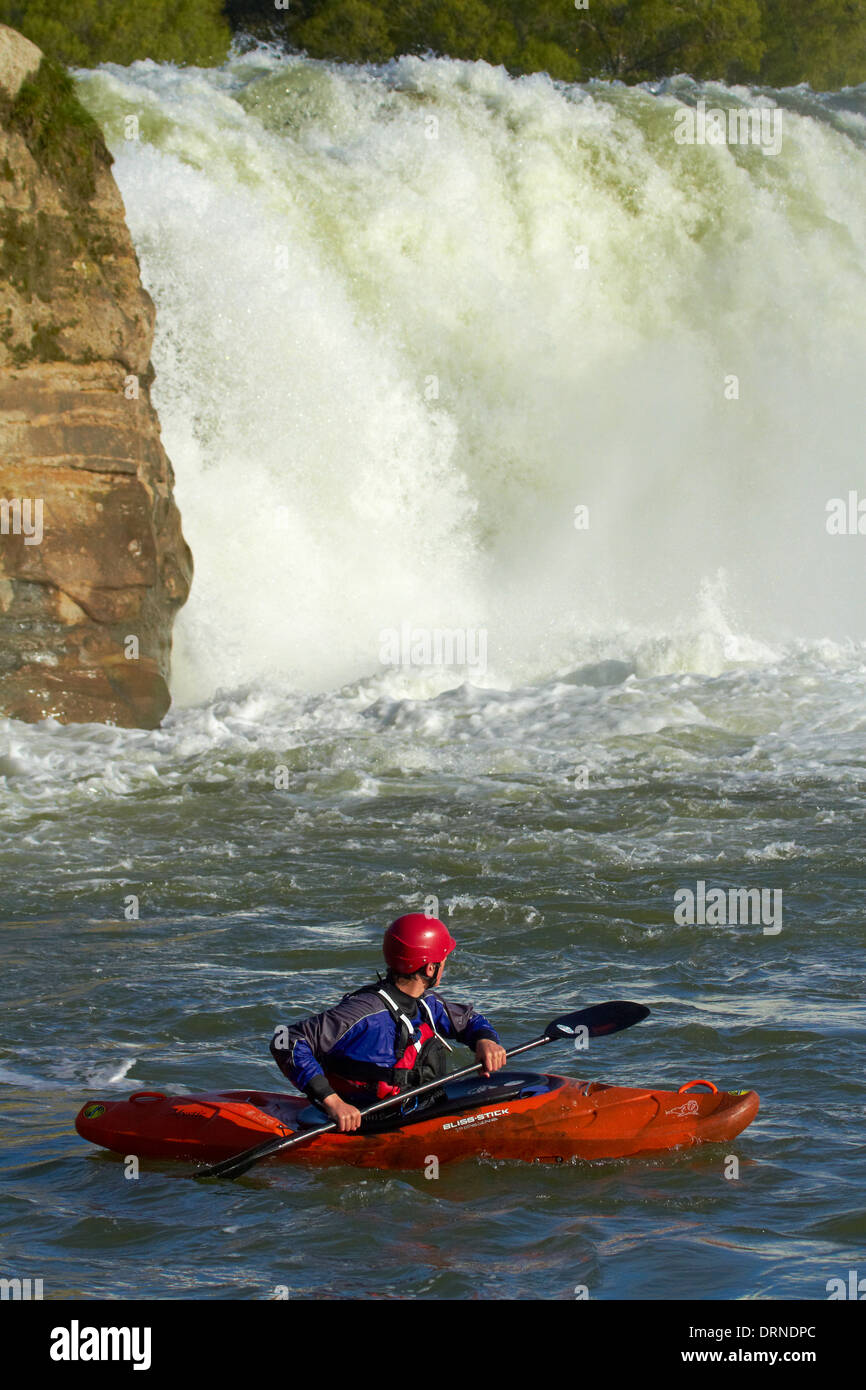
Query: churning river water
[395, 391]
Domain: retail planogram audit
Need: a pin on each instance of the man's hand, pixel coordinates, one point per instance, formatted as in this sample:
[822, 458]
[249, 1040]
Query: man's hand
[348, 1117]
[491, 1054]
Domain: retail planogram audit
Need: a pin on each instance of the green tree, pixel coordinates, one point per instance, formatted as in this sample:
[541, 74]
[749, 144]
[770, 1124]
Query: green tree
[818, 41]
[541, 55]
[470, 29]
[779, 41]
[351, 29]
[647, 39]
[80, 33]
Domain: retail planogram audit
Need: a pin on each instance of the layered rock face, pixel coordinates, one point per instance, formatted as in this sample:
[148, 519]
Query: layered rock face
[93, 564]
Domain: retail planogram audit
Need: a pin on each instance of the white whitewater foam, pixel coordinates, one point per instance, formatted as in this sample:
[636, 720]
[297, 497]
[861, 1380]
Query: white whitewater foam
[317, 261]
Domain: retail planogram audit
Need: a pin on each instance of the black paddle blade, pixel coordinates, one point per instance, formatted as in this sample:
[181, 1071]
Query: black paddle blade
[241, 1163]
[599, 1019]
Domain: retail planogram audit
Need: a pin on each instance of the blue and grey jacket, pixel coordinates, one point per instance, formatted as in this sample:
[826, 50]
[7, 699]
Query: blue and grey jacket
[375, 1042]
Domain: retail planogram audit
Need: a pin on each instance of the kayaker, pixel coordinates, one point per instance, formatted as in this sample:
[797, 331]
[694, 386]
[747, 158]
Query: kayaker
[386, 1037]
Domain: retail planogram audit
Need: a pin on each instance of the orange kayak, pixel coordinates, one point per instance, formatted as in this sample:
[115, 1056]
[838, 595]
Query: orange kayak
[510, 1115]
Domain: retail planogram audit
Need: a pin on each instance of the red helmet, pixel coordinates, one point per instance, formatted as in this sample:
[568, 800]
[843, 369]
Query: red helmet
[416, 940]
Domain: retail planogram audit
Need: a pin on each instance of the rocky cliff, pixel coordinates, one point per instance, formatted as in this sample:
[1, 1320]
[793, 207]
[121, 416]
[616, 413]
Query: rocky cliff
[93, 564]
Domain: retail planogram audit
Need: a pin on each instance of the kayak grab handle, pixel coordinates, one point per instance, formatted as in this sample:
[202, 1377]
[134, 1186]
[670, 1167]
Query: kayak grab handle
[700, 1082]
[139, 1096]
